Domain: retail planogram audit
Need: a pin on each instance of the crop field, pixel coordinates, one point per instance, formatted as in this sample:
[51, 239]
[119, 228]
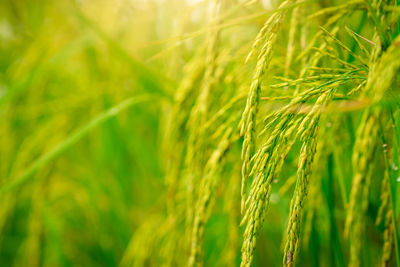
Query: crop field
[199, 133]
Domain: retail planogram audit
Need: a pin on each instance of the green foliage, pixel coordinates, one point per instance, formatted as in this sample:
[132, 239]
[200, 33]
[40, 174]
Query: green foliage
[199, 133]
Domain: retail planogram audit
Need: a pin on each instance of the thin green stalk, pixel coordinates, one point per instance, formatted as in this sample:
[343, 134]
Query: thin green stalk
[396, 142]
[392, 193]
[327, 189]
[377, 24]
[70, 141]
[353, 44]
[340, 174]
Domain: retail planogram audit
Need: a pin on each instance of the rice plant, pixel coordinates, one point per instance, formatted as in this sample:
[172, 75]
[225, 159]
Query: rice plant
[199, 133]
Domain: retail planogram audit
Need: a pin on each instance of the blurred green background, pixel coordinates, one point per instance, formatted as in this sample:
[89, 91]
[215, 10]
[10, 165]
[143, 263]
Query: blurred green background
[62, 65]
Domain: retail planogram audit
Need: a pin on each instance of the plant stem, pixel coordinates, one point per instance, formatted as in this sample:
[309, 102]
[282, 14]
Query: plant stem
[70, 141]
[392, 193]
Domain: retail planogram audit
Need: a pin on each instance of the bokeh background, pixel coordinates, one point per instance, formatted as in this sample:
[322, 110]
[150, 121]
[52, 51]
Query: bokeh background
[62, 63]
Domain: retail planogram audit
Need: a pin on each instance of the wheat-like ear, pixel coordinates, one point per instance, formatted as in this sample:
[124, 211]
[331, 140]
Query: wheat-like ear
[286, 124]
[266, 37]
[388, 237]
[307, 152]
[366, 142]
[385, 214]
[206, 191]
[197, 145]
